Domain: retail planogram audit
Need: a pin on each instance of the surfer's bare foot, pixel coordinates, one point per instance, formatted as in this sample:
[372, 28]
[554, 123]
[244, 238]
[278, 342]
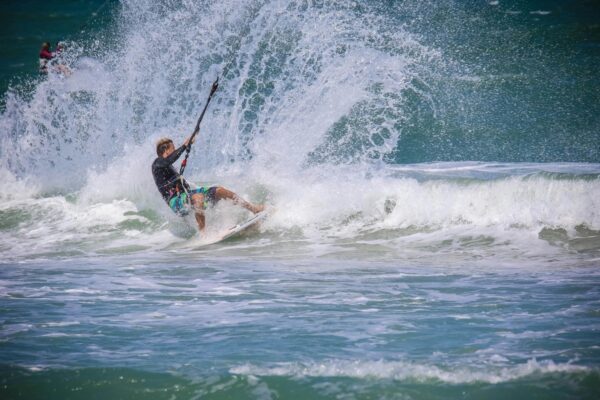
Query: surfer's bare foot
[256, 208]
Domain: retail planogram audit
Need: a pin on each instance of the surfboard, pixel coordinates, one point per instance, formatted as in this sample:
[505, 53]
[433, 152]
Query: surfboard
[239, 228]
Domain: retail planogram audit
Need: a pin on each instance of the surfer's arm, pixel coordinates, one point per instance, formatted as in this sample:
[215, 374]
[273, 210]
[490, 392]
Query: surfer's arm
[165, 162]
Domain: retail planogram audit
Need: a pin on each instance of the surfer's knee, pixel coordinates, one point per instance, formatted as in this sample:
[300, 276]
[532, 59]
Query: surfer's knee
[223, 193]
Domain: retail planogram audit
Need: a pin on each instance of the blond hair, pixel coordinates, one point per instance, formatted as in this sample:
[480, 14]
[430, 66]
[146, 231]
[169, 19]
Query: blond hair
[162, 145]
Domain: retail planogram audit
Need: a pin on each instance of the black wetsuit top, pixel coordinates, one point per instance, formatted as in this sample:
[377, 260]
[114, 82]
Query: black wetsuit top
[166, 177]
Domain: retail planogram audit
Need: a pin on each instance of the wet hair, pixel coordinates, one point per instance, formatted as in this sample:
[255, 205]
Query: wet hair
[46, 45]
[162, 145]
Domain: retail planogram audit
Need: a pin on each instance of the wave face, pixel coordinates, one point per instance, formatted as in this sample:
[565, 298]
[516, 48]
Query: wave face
[294, 93]
[335, 82]
[313, 83]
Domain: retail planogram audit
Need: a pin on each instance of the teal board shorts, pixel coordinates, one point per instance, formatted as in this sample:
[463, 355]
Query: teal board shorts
[180, 204]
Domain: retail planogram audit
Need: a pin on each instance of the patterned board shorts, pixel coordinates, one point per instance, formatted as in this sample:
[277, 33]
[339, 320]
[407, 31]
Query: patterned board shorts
[180, 204]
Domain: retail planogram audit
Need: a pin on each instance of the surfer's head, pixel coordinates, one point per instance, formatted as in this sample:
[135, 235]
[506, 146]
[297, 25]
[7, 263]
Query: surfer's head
[46, 46]
[164, 147]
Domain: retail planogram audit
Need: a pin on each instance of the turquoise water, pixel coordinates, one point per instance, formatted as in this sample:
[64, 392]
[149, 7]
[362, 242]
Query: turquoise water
[25, 25]
[164, 327]
[434, 169]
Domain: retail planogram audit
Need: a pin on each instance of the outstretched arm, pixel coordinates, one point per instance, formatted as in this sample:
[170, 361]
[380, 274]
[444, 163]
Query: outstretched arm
[164, 162]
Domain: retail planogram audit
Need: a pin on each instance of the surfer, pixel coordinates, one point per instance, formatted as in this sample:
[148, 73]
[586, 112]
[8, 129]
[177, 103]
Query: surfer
[177, 192]
[53, 59]
[45, 56]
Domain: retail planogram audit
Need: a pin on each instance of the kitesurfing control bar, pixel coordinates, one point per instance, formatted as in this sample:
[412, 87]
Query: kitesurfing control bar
[213, 89]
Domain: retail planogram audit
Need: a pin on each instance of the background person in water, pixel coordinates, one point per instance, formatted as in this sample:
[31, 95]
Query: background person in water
[45, 56]
[177, 192]
[53, 59]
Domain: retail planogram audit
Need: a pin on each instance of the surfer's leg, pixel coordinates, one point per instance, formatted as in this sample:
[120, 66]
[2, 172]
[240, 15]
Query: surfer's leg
[201, 220]
[198, 205]
[221, 193]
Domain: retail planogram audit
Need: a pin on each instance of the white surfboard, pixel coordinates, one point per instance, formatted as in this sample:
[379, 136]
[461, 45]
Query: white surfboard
[238, 229]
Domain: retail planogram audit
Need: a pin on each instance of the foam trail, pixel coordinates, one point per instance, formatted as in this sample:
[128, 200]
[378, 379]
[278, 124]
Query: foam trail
[406, 371]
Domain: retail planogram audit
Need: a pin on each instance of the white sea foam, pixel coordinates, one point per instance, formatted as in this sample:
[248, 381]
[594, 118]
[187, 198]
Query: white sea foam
[65, 335]
[13, 190]
[407, 371]
[9, 330]
[83, 291]
[59, 324]
[56, 224]
[506, 203]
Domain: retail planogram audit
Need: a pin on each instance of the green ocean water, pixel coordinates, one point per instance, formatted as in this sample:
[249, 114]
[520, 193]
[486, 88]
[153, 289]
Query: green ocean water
[531, 91]
[25, 25]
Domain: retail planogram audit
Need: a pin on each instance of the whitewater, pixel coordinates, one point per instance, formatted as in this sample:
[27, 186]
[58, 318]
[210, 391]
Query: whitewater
[411, 254]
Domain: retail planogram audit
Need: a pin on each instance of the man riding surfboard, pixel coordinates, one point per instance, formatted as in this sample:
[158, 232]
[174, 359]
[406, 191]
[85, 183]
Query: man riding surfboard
[177, 192]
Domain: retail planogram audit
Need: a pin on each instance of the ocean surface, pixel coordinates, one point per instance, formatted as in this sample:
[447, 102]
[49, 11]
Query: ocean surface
[433, 169]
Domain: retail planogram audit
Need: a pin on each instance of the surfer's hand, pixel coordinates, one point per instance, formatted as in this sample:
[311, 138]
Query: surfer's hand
[189, 140]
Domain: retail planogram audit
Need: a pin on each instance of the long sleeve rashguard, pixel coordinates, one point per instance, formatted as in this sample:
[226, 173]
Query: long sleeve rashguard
[166, 177]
